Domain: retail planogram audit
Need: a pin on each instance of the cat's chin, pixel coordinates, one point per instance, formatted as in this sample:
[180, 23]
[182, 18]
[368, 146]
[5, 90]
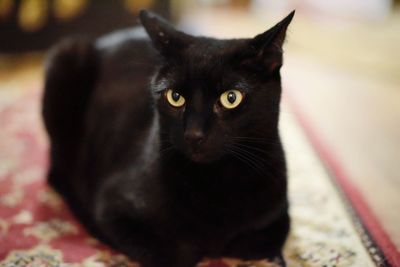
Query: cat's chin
[202, 158]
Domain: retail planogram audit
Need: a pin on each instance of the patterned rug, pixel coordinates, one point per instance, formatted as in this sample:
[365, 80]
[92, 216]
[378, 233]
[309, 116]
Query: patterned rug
[36, 228]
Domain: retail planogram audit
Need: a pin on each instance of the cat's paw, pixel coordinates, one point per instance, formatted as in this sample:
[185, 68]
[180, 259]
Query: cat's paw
[264, 263]
[230, 262]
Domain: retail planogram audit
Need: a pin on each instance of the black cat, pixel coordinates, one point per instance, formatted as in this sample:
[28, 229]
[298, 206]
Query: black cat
[171, 154]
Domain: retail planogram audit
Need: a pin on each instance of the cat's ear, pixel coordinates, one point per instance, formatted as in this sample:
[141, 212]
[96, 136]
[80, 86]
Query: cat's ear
[266, 48]
[166, 39]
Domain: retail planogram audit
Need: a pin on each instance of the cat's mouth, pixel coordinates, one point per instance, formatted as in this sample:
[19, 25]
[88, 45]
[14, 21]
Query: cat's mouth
[201, 157]
[198, 157]
[201, 153]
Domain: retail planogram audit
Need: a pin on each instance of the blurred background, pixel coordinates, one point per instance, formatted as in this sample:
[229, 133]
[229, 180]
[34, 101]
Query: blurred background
[342, 67]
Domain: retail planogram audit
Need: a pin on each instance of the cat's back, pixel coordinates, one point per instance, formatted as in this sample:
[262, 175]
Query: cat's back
[120, 111]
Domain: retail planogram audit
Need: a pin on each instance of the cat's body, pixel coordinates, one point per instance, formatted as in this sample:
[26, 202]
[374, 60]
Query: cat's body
[168, 185]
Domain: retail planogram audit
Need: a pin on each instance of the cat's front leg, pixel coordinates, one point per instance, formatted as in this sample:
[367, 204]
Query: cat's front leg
[140, 242]
[187, 254]
[278, 262]
[266, 243]
[137, 241]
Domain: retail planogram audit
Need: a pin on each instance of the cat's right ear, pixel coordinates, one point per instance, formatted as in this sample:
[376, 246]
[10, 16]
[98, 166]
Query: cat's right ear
[166, 39]
[265, 50]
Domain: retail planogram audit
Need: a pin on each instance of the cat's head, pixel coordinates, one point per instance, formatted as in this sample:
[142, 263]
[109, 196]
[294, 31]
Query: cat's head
[214, 94]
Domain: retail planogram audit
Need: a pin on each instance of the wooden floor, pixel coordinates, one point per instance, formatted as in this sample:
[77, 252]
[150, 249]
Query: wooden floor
[345, 76]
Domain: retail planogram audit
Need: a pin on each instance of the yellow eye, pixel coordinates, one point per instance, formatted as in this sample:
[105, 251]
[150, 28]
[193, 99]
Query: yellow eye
[175, 99]
[231, 99]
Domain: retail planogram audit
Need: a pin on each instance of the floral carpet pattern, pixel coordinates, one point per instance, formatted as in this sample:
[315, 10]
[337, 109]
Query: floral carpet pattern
[36, 228]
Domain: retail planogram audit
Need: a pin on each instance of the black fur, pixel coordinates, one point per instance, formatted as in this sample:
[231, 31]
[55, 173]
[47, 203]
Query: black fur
[122, 159]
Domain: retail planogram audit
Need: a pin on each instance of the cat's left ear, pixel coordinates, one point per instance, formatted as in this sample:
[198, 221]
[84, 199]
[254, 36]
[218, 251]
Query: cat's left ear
[166, 39]
[266, 47]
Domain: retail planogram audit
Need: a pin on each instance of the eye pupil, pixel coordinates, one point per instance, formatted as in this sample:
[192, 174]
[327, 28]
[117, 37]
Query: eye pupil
[175, 96]
[231, 97]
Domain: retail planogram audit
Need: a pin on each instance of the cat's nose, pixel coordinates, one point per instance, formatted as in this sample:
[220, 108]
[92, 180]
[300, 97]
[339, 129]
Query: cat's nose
[194, 136]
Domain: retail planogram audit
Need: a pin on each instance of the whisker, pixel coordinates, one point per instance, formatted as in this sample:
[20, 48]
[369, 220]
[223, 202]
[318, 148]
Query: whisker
[257, 159]
[245, 159]
[254, 138]
[265, 152]
[261, 140]
[252, 148]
